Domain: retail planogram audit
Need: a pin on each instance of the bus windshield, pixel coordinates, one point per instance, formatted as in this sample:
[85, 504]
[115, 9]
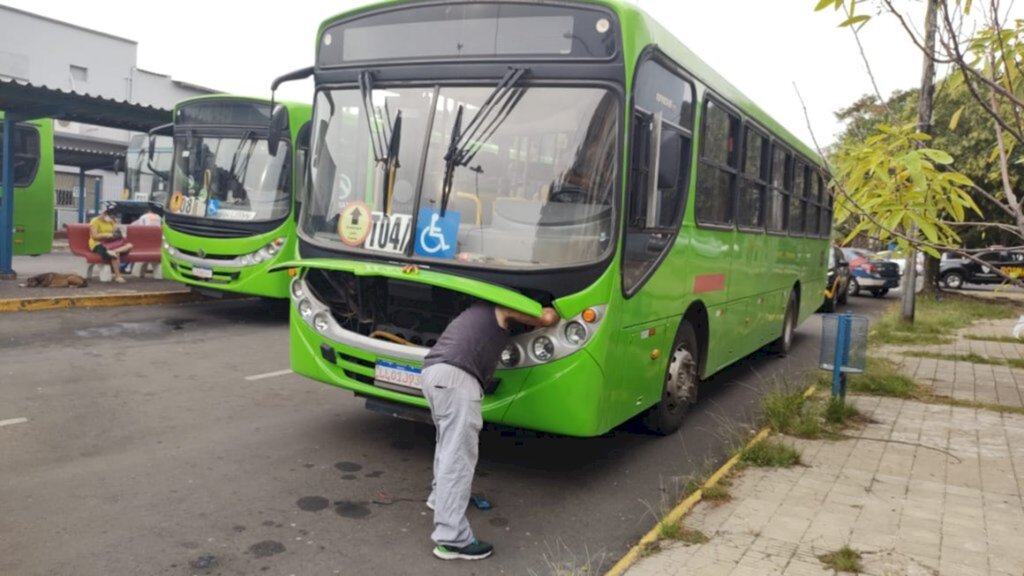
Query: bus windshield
[140, 181]
[534, 185]
[230, 178]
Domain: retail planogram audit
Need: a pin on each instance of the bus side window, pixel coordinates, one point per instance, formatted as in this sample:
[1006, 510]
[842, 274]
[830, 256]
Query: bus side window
[26, 154]
[661, 145]
[719, 161]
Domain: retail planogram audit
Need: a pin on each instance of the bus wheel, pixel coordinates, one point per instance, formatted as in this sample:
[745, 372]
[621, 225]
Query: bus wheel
[785, 341]
[681, 381]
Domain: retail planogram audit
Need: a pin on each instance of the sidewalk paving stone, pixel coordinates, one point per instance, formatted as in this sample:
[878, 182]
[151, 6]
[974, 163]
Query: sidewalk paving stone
[920, 490]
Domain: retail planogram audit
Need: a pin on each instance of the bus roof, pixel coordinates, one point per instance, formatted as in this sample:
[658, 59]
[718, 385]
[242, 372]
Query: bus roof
[205, 97]
[635, 18]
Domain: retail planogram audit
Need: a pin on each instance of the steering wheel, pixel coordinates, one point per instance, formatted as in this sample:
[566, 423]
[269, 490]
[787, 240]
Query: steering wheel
[568, 194]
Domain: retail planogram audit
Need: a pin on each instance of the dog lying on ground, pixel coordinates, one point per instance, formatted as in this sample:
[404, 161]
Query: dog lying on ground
[55, 280]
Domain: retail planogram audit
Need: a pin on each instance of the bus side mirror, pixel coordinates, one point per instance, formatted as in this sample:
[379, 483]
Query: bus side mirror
[118, 166]
[152, 149]
[278, 125]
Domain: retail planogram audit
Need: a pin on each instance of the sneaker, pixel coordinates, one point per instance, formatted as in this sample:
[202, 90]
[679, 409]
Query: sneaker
[475, 550]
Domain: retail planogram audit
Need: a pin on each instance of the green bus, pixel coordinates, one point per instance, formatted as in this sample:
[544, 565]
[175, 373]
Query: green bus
[34, 196]
[230, 214]
[147, 179]
[564, 153]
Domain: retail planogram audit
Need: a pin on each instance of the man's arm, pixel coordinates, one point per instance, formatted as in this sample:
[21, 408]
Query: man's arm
[548, 317]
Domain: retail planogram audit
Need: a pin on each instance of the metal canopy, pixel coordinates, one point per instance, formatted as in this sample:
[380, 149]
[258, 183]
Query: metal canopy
[85, 159]
[27, 101]
[24, 101]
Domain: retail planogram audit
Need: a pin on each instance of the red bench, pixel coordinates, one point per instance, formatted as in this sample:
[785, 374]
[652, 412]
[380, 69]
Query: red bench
[145, 241]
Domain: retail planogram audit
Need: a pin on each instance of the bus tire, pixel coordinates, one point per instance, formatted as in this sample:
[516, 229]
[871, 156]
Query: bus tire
[679, 392]
[784, 343]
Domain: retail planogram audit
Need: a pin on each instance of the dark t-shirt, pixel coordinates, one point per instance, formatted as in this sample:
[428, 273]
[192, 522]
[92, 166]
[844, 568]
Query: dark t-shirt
[472, 342]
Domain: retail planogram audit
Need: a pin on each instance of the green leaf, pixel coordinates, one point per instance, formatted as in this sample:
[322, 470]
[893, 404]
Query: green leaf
[853, 20]
[937, 156]
[824, 4]
[955, 120]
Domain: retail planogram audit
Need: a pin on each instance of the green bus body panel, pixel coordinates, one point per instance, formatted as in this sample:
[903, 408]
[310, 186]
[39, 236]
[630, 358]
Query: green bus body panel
[34, 204]
[621, 371]
[483, 290]
[563, 397]
[257, 280]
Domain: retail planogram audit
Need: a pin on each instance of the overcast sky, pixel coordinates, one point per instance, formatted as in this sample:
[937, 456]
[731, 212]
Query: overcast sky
[763, 47]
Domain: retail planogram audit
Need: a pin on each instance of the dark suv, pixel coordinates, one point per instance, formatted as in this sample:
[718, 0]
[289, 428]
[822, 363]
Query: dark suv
[954, 271]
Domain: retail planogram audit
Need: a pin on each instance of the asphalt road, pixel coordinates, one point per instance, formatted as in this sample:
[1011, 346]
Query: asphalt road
[148, 451]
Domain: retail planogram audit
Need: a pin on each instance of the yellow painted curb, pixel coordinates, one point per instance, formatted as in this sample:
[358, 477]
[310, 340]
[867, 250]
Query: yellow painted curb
[686, 505]
[96, 301]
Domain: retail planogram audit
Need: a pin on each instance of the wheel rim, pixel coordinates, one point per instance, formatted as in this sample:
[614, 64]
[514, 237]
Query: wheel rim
[787, 328]
[681, 380]
[851, 288]
[954, 281]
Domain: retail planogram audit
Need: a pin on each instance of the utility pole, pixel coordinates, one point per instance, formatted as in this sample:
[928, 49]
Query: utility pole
[924, 125]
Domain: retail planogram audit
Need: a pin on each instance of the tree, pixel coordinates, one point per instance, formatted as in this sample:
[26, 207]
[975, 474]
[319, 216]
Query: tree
[989, 66]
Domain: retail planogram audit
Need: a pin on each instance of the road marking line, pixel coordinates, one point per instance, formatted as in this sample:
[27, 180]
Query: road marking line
[268, 375]
[12, 421]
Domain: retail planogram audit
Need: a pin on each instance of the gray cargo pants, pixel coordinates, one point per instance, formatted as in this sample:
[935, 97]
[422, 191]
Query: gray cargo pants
[454, 397]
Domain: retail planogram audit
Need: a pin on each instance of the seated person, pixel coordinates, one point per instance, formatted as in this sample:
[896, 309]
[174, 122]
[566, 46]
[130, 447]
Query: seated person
[106, 240]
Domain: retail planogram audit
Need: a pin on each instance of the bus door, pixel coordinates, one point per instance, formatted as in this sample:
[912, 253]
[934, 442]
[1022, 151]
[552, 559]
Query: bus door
[653, 268]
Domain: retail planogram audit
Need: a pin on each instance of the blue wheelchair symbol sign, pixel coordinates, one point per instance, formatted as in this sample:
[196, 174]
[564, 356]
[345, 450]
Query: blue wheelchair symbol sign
[436, 236]
[212, 208]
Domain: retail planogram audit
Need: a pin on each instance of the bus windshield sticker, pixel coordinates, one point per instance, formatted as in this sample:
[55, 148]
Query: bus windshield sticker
[390, 233]
[354, 224]
[436, 236]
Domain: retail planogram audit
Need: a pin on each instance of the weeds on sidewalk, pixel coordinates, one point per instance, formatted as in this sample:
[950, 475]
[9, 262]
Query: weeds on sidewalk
[936, 318]
[770, 453]
[1002, 339]
[845, 559]
[883, 378]
[791, 413]
[971, 358]
[676, 531]
[718, 494]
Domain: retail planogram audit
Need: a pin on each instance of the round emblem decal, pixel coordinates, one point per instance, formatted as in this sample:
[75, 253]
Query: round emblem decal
[354, 224]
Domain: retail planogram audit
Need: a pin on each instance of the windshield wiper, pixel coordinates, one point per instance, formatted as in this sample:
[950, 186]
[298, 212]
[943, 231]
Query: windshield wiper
[385, 137]
[465, 144]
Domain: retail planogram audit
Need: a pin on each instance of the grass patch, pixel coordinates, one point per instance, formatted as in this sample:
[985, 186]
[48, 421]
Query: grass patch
[971, 357]
[839, 412]
[770, 454]
[937, 317]
[845, 559]
[788, 412]
[1003, 339]
[717, 494]
[881, 378]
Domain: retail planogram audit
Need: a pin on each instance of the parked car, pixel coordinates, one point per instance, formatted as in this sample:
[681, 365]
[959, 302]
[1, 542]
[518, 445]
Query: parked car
[838, 280]
[954, 272]
[870, 273]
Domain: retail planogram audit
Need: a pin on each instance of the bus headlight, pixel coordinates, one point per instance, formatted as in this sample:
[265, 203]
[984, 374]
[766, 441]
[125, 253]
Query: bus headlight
[297, 290]
[543, 348]
[320, 322]
[575, 333]
[305, 308]
[510, 356]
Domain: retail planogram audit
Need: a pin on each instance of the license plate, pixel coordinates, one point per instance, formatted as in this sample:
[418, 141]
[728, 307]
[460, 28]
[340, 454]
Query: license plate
[202, 272]
[399, 374]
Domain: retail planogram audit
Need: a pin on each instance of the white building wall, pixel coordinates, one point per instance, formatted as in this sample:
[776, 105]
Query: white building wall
[43, 51]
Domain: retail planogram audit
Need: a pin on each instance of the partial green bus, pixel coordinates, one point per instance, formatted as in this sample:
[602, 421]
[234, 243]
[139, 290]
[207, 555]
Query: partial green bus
[148, 178]
[230, 214]
[34, 199]
[571, 154]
